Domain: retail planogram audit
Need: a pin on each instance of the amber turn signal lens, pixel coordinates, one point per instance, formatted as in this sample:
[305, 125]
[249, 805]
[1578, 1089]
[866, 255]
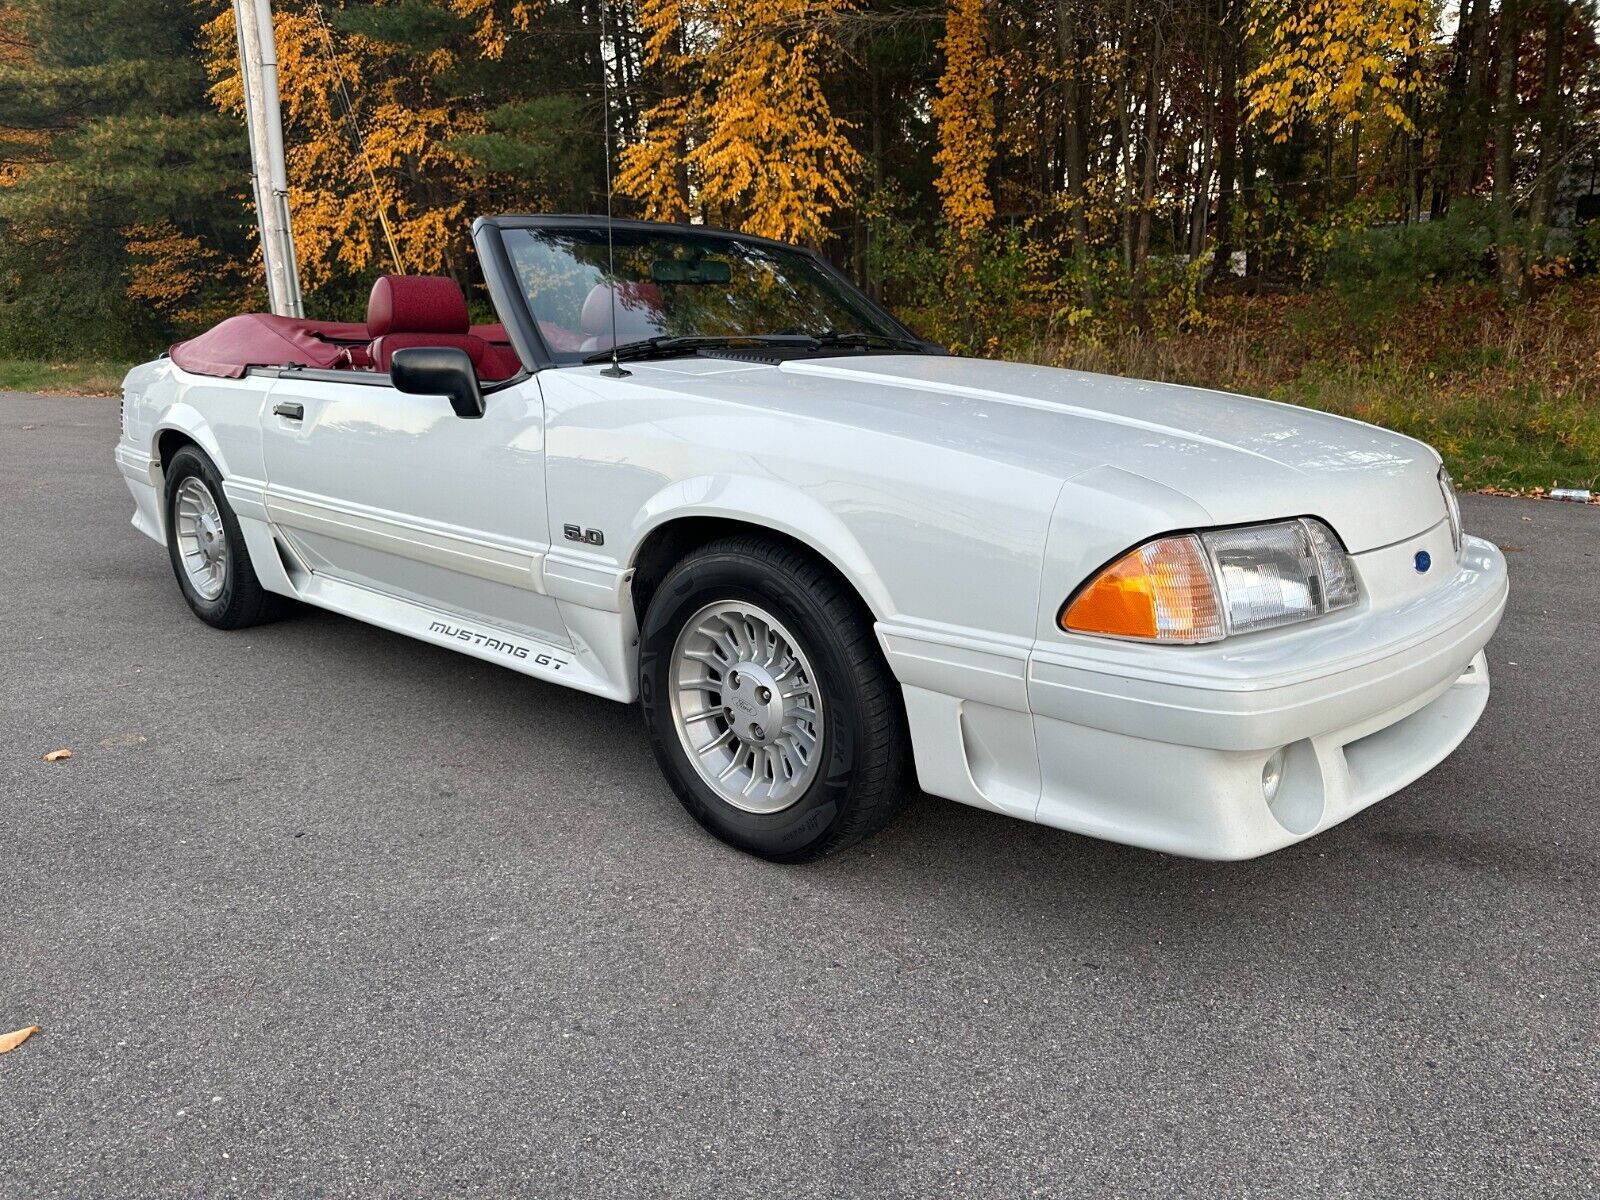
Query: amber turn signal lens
[1161, 591]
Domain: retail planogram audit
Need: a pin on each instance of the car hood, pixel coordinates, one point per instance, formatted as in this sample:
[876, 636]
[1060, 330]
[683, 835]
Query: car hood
[1238, 458]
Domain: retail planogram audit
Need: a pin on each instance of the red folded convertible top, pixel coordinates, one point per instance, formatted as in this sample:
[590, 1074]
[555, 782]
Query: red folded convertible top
[263, 340]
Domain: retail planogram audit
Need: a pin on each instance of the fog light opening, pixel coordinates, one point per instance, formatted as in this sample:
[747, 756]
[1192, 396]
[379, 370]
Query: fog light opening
[1272, 776]
[1292, 783]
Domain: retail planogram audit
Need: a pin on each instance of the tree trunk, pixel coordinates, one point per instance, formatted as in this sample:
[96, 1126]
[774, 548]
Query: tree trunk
[1354, 193]
[1228, 135]
[1201, 212]
[1124, 109]
[1202, 188]
[1147, 179]
[1558, 14]
[1412, 149]
[1475, 134]
[1247, 193]
[1453, 108]
[1508, 252]
[1077, 176]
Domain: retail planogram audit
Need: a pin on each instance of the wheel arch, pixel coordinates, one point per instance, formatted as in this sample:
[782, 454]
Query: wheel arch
[179, 426]
[669, 532]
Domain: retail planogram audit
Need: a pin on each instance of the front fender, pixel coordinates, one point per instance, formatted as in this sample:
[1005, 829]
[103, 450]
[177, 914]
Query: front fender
[1099, 515]
[775, 505]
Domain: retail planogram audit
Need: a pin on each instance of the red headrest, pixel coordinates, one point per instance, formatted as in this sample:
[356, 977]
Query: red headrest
[416, 304]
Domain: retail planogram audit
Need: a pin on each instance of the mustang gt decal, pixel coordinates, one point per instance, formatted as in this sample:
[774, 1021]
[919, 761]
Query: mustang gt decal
[462, 634]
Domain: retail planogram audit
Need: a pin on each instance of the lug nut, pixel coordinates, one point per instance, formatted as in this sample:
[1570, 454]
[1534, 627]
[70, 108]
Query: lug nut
[763, 695]
[757, 732]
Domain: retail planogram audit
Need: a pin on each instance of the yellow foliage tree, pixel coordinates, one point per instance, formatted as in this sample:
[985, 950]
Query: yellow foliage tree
[964, 110]
[745, 133]
[399, 164]
[1337, 60]
[493, 22]
[177, 275]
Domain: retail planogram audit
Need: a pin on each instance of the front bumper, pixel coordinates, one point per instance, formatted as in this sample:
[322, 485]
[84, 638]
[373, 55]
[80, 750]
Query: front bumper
[1165, 747]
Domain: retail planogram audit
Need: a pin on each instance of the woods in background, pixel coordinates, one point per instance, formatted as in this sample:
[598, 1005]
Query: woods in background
[988, 165]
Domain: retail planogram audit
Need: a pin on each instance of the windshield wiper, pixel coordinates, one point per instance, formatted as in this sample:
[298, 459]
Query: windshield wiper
[663, 346]
[832, 337]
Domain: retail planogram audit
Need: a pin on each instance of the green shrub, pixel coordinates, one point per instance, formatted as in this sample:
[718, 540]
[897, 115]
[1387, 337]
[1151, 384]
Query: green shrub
[1397, 260]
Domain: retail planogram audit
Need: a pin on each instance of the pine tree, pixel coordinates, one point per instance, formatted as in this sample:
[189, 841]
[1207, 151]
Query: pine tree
[115, 163]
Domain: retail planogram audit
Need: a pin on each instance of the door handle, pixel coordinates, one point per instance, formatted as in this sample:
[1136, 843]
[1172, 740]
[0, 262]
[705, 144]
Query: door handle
[294, 412]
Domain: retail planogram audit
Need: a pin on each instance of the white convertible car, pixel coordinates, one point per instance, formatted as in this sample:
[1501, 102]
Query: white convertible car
[702, 471]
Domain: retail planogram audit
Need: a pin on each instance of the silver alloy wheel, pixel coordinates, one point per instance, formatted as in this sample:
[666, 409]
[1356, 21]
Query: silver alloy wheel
[202, 540]
[746, 706]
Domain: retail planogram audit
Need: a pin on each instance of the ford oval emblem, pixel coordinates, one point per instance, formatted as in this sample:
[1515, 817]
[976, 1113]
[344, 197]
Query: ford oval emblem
[1424, 560]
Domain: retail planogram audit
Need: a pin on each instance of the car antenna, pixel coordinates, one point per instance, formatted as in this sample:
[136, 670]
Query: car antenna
[615, 370]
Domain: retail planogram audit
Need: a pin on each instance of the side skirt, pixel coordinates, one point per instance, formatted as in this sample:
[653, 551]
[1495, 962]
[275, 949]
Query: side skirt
[516, 651]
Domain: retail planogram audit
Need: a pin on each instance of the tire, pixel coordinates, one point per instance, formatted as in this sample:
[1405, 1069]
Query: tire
[820, 650]
[240, 601]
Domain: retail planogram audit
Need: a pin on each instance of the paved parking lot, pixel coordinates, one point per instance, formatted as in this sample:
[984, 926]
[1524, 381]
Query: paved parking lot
[317, 910]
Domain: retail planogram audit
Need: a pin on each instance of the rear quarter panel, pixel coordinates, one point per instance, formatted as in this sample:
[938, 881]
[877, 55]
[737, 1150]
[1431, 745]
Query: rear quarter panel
[223, 416]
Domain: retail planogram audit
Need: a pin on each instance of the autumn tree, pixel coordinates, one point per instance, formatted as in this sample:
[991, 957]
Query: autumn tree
[1337, 60]
[369, 120]
[963, 108]
[1045, 161]
[745, 133]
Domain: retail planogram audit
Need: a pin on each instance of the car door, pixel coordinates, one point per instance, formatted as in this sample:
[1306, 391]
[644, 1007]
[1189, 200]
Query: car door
[396, 493]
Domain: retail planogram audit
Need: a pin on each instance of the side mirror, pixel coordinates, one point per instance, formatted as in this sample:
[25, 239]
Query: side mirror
[438, 371]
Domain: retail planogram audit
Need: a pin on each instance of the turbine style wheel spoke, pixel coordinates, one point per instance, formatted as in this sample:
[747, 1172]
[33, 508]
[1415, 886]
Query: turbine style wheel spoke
[202, 538]
[746, 706]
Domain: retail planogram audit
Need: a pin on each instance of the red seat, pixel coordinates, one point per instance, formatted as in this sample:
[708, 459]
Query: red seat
[500, 361]
[429, 310]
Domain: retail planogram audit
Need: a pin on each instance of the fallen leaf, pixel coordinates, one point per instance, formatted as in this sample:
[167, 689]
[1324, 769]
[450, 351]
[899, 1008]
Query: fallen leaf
[57, 755]
[10, 1041]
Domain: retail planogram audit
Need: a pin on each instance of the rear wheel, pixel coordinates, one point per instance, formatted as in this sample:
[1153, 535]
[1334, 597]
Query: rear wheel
[769, 706]
[207, 548]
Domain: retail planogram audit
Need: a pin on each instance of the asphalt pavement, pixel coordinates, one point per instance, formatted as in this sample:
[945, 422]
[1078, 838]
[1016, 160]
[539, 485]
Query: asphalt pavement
[317, 910]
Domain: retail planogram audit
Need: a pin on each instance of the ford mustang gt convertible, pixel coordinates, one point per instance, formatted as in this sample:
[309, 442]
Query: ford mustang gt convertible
[702, 472]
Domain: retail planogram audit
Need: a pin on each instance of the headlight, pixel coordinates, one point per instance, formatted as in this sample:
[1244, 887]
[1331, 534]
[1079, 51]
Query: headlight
[1451, 506]
[1201, 587]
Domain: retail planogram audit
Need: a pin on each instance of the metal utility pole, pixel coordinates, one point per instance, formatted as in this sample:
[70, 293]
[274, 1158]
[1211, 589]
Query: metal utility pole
[258, 71]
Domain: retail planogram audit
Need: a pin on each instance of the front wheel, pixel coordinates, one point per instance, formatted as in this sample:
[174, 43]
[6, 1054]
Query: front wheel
[768, 703]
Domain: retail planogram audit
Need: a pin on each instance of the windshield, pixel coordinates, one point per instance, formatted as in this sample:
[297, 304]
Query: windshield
[678, 284]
